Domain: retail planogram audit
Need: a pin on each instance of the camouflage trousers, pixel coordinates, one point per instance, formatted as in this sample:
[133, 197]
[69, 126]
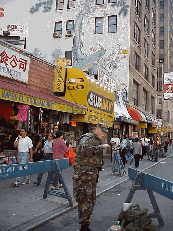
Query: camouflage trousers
[84, 190]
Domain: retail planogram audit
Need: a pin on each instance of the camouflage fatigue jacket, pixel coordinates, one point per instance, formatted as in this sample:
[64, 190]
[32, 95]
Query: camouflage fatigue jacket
[89, 151]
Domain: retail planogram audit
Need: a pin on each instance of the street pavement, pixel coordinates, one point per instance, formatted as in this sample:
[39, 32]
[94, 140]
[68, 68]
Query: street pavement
[109, 205]
[23, 208]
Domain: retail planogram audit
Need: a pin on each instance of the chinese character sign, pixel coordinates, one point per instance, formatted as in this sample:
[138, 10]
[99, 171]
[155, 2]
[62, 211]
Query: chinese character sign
[14, 65]
[168, 85]
[59, 85]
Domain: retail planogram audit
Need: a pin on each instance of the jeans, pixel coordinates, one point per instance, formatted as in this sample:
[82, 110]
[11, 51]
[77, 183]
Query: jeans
[23, 158]
[114, 153]
[137, 156]
[128, 156]
[45, 157]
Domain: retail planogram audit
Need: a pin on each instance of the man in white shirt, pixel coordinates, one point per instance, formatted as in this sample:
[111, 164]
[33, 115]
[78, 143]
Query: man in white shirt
[115, 141]
[25, 154]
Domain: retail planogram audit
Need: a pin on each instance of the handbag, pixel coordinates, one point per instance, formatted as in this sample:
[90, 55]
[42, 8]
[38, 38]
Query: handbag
[71, 155]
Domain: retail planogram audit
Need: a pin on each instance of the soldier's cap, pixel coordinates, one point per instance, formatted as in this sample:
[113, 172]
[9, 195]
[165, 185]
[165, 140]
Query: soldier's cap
[103, 127]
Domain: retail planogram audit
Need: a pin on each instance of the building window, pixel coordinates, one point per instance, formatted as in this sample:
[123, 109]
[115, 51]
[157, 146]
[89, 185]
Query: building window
[112, 24]
[147, 4]
[161, 31]
[153, 17]
[153, 59]
[99, 25]
[159, 114]
[154, 1]
[153, 38]
[161, 5]
[70, 27]
[137, 33]
[146, 24]
[152, 105]
[135, 93]
[145, 72]
[161, 44]
[160, 71]
[161, 17]
[112, 1]
[145, 100]
[58, 28]
[99, 2]
[146, 47]
[136, 61]
[68, 56]
[160, 85]
[59, 4]
[153, 81]
[70, 4]
[138, 7]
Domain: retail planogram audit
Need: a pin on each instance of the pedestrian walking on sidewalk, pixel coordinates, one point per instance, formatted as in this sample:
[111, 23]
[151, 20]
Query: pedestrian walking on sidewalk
[165, 146]
[37, 143]
[47, 155]
[156, 144]
[123, 146]
[25, 154]
[115, 141]
[58, 148]
[88, 163]
[137, 151]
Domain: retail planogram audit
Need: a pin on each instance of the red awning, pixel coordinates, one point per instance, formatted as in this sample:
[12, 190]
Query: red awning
[24, 89]
[134, 113]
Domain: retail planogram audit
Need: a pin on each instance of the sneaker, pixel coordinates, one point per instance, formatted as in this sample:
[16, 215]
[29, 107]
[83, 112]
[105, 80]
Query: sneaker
[26, 182]
[36, 183]
[16, 184]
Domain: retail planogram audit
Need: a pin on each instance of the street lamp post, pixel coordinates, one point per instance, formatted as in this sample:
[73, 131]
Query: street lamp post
[161, 61]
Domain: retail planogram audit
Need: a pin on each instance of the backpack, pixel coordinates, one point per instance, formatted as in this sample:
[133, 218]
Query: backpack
[137, 219]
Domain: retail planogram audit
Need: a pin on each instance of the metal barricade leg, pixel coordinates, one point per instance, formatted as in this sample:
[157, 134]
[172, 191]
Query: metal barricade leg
[157, 213]
[67, 194]
[48, 181]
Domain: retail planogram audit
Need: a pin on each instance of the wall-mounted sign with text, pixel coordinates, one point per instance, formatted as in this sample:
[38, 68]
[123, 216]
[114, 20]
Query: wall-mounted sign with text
[14, 65]
[100, 102]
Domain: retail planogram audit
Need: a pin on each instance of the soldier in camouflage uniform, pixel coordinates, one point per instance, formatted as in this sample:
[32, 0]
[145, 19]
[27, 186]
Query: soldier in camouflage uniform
[88, 163]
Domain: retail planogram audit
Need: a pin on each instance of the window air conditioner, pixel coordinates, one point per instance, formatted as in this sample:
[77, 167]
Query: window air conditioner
[69, 33]
[57, 35]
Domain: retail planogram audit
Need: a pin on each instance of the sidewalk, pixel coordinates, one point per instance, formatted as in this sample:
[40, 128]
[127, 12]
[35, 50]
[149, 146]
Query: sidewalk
[24, 206]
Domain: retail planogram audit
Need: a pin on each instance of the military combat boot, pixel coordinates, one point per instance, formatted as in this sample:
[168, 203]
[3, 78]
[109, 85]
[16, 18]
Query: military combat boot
[85, 228]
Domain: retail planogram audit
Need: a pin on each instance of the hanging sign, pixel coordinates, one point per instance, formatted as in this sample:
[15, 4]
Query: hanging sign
[59, 84]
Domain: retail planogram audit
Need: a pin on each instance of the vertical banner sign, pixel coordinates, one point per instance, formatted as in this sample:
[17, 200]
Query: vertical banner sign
[168, 85]
[59, 85]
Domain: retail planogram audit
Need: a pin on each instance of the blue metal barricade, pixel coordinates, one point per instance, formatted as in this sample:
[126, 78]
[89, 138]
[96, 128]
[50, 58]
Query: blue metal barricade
[150, 183]
[17, 170]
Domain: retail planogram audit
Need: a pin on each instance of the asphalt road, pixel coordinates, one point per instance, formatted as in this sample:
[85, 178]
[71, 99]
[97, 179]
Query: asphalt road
[109, 204]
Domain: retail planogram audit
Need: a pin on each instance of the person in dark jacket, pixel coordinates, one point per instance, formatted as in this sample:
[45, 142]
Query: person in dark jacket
[137, 151]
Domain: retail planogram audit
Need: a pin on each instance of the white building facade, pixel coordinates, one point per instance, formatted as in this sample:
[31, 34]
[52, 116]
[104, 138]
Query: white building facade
[94, 35]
